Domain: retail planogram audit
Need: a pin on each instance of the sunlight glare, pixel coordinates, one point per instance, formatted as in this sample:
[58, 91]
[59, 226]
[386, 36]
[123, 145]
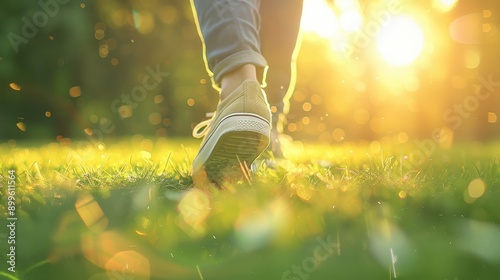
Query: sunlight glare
[401, 42]
[345, 5]
[318, 18]
[351, 20]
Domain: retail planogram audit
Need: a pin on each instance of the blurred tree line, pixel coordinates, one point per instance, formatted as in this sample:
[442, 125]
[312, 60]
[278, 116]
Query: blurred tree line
[93, 69]
[84, 67]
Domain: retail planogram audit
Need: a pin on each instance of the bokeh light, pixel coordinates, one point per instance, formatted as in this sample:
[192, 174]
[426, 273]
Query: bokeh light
[472, 58]
[476, 188]
[21, 126]
[155, 118]
[15, 86]
[492, 117]
[91, 213]
[194, 208]
[75, 91]
[361, 116]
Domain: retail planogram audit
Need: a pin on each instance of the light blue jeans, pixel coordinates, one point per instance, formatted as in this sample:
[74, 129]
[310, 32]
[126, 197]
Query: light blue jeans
[263, 33]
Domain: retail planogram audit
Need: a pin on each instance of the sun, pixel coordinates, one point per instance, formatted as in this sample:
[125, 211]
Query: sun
[401, 42]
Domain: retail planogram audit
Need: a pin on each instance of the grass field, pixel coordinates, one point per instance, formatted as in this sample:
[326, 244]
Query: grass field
[128, 210]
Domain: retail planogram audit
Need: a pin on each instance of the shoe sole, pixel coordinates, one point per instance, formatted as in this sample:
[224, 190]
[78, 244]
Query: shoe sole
[238, 138]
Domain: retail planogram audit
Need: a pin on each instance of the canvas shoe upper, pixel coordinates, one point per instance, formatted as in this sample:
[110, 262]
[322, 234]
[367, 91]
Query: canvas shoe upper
[235, 136]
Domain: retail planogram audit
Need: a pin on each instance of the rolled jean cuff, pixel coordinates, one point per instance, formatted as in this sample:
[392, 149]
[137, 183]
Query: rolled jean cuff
[237, 60]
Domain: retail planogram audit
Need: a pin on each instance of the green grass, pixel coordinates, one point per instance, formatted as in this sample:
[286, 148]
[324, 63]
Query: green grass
[128, 209]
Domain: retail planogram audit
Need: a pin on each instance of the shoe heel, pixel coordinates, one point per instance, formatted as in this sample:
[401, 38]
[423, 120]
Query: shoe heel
[246, 140]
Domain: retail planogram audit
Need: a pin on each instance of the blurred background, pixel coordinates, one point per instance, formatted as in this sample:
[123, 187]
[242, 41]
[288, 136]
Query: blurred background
[386, 70]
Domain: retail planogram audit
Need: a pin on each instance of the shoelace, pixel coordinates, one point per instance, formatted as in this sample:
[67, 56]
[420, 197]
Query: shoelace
[201, 129]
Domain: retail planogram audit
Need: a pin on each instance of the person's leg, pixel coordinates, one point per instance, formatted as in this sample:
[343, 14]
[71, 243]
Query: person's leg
[232, 80]
[240, 128]
[229, 30]
[279, 44]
